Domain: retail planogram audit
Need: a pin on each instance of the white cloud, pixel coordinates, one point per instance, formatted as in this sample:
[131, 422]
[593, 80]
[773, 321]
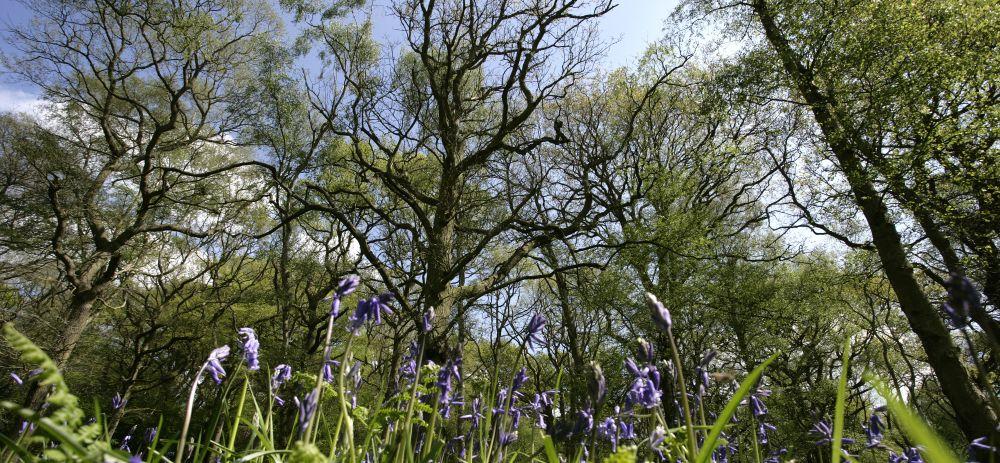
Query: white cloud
[13, 100]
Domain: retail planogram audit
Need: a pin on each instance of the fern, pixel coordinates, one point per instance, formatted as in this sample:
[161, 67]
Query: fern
[64, 421]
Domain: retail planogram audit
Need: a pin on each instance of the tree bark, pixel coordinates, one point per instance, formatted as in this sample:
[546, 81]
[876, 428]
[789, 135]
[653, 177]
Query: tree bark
[972, 412]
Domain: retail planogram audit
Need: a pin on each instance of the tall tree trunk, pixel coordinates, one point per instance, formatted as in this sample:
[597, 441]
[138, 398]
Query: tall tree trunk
[81, 308]
[973, 415]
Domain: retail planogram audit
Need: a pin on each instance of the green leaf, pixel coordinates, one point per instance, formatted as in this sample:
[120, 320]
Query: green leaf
[550, 450]
[934, 447]
[625, 454]
[727, 413]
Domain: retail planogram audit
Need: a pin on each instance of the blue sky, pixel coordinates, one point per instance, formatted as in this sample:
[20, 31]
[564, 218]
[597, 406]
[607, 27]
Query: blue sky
[630, 27]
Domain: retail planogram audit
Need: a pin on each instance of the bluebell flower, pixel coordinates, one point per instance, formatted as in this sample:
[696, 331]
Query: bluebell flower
[762, 430]
[646, 352]
[346, 286]
[701, 373]
[519, 379]
[127, 440]
[307, 408]
[282, 373]
[538, 405]
[608, 430]
[660, 314]
[963, 299]
[584, 422]
[135, 459]
[371, 310]
[507, 438]
[645, 389]
[408, 365]
[251, 348]
[17, 379]
[149, 435]
[534, 331]
[117, 402]
[214, 363]
[823, 430]
[775, 456]
[656, 439]
[981, 446]
[873, 432]
[327, 371]
[475, 415]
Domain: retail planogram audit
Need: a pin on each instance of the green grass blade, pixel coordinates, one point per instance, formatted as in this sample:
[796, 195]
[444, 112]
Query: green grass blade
[727, 413]
[934, 447]
[17, 449]
[838, 412]
[550, 449]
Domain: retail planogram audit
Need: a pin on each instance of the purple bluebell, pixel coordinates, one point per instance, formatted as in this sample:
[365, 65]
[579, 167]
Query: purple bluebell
[507, 438]
[17, 379]
[251, 348]
[538, 405]
[656, 439]
[307, 408]
[645, 389]
[282, 373]
[646, 352]
[214, 363]
[519, 379]
[127, 440]
[701, 374]
[981, 446]
[873, 432]
[775, 456]
[35, 372]
[117, 402]
[371, 310]
[963, 299]
[823, 430]
[408, 365]
[475, 414]
[534, 331]
[354, 375]
[346, 286]
[660, 314]
[149, 435]
[757, 407]
[762, 430]
[327, 371]
[135, 459]
[608, 430]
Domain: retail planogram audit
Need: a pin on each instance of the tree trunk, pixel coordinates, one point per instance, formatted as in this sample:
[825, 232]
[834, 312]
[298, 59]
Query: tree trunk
[973, 415]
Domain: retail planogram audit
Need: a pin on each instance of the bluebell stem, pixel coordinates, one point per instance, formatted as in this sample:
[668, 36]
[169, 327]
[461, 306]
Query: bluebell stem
[17, 379]
[534, 331]
[251, 348]
[963, 299]
[597, 384]
[214, 366]
[117, 402]
[661, 316]
[307, 408]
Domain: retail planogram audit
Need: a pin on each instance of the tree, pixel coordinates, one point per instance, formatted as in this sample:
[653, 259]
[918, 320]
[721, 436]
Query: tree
[144, 94]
